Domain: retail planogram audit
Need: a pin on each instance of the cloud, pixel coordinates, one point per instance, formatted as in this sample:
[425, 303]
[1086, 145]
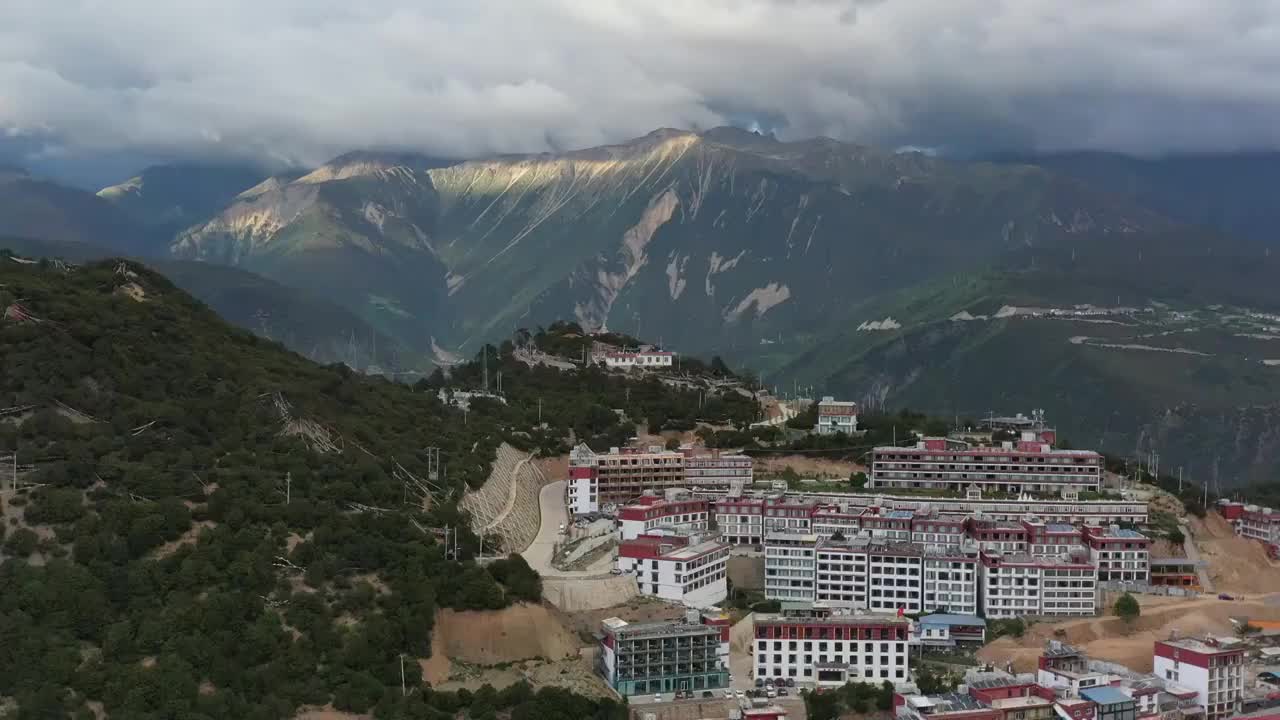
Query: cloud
[299, 81]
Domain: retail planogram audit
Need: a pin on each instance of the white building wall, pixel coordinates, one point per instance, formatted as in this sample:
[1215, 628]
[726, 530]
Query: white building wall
[894, 582]
[701, 586]
[789, 571]
[582, 496]
[951, 584]
[868, 660]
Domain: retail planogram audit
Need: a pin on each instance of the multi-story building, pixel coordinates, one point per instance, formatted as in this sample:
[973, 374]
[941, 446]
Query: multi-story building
[1176, 572]
[868, 573]
[1121, 555]
[1017, 585]
[683, 569]
[677, 510]
[714, 469]
[789, 565]
[936, 530]
[746, 520]
[998, 535]
[1028, 466]
[950, 579]
[831, 519]
[836, 416]
[1067, 670]
[664, 657]
[1055, 510]
[620, 476]
[1261, 524]
[828, 648]
[624, 360]
[1111, 704]
[1213, 668]
[1049, 538]
[889, 524]
[949, 629]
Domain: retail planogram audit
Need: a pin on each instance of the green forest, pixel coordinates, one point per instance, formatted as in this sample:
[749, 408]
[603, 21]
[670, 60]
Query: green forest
[205, 525]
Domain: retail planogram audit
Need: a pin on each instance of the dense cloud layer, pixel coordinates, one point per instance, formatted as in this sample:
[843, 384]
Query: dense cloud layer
[301, 80]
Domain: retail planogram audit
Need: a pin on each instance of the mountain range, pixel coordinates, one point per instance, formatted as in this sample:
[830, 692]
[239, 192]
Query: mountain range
[894, 278]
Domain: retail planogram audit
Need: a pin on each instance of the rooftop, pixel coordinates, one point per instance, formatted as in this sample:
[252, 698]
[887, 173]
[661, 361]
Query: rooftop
[694, 551]
[1026, 701]
[639, 631]
[952, 619]
[1105, 695]
[1060, 528]
[953, 702]
[860, 619]
[1200, 646]
[1002, 681]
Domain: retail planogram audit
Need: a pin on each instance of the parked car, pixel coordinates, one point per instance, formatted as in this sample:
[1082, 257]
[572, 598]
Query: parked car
[616, 571]
[782, 691]
[562, 528]
[707, 694]
[657, 697]
[770, 693]
[1224, 596]
[742, 695]
[791, 682]
[728, 694]
[759, 682]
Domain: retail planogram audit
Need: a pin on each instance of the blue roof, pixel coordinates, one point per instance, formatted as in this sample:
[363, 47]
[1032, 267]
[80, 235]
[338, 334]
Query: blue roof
[948, 619]
[1105, 696]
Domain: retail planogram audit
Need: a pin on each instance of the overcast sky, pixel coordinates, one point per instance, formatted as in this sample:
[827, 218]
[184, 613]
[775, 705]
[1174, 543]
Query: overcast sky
[302, 80]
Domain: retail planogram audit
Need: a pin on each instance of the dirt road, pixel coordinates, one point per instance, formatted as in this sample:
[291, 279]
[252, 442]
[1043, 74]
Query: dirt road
[572, 590]
[1108, 638]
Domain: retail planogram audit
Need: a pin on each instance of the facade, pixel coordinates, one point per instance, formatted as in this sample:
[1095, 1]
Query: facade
[1176, 572]
[1111, 704]
[1121, 555]
[686, 570]
[948, 629]
[836, 416]
[789, 565]
[1048, 538]
[951, 578]
[1018, 585]
[1030, 465]
[639, 359]
[1213, 668]
[1261, 524]
[639, 659]
[820, 647]
[620, 476]
[1054, 510]
[676, 511]
[746, 521]
[997, 535]
[713, 469]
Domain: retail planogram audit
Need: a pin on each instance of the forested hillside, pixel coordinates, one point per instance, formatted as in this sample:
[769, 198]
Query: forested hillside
[205, 525]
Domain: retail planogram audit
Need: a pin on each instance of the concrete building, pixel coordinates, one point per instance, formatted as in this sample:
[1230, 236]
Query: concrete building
[664, 657]
[822, 647]
[951, 579]
[1018, 585]
[997, 535]
[620, 476]
[1051, 538]
[677, 510]
[1261, 524]
[1030, 465]
[688, 570]
[1176, 572]
[1213, 668]
[714, 469]
[949, 630]
[625, 360]
[1121, 555]
[789, 565]
[746, 520]
[1111, 704]
[836, 416]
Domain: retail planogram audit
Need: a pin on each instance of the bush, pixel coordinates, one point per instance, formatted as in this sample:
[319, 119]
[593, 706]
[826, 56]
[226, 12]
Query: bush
[1127, 608]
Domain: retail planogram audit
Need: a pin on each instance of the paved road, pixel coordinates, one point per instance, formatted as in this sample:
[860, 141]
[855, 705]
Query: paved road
[554, 514]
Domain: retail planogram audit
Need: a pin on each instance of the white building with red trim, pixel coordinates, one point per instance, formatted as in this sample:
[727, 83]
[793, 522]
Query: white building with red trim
[1213, 667]
[836, 416]
[677, 511]
[1020, 585]
[1120, 554]
[818, 646]
[1030, 465]
[716, 469]
[685, 569]
[1261, 524]
[627, 359]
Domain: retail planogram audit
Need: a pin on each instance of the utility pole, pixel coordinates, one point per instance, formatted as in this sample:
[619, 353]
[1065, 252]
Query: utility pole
[1179, 481]
[402, 690]
[539, 411]
[484, 363]
[288, 487]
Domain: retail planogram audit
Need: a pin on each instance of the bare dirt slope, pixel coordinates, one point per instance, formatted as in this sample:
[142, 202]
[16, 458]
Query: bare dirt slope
[818, 467]
[746, 572]
[1236, 565]
[1107, 638]
[516, 633]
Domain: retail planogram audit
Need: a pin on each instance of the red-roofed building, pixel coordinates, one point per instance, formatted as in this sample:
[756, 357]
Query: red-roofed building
[683, 569]
[650, 512]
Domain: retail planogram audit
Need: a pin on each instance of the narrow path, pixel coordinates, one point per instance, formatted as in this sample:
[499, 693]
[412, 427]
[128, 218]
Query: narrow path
[512, 494]
[1193, 554]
